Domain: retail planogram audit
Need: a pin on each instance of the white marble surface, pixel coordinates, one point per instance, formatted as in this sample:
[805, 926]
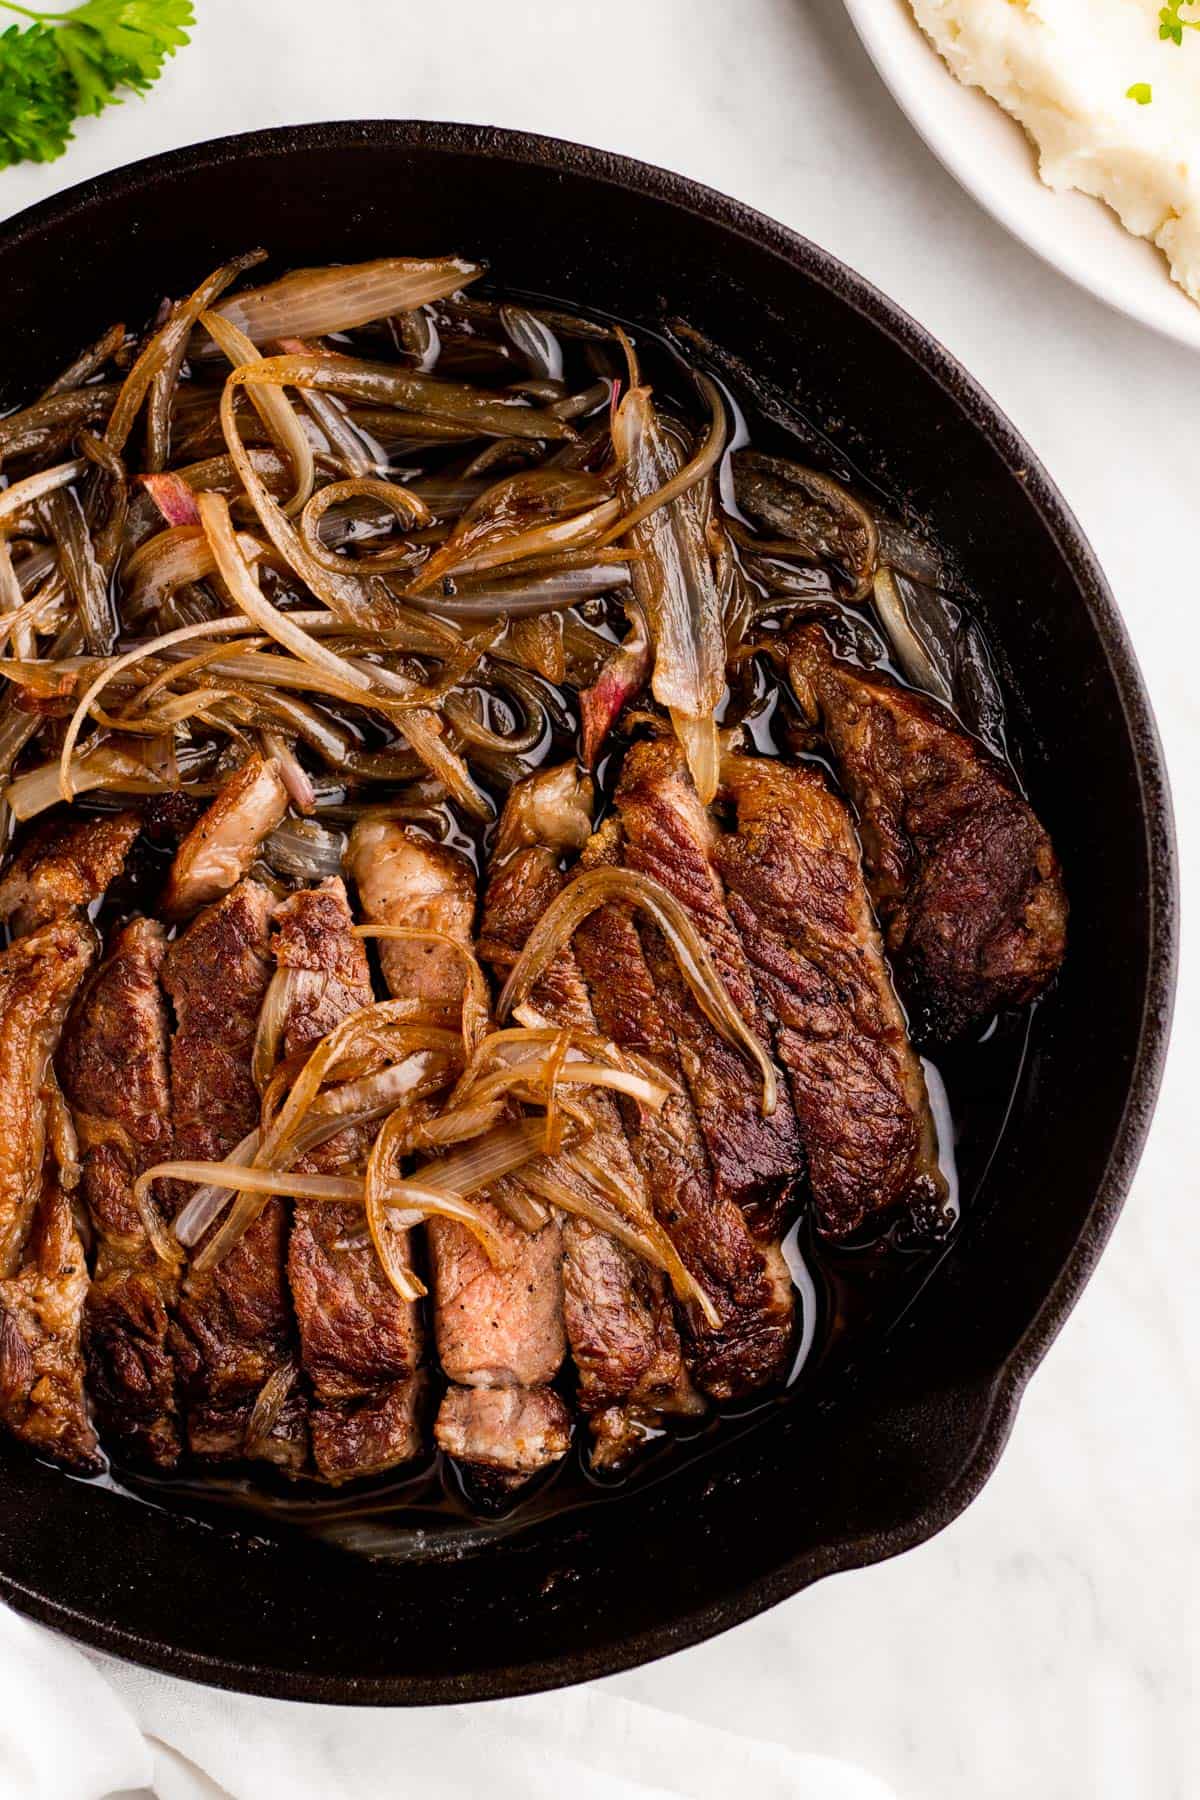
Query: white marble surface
[1048, 1643]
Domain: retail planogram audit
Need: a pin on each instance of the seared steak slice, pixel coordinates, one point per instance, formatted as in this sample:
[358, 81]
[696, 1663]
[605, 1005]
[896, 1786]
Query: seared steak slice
[43, 1272]
[618, 1314]
[624, 1341]
[492, 1326]
[63, 865]
[355, 1438]
[360, 1343]
[233, 1328]
[747, 1281]
[498, 1327]
[220, 847]
[42, 1399]
[39, 977]
[216, 975]
[964, 879]
[114, 1071]
[405, 879]
[668, 835]
[510, 1432]
[329, 975]
[793, 877]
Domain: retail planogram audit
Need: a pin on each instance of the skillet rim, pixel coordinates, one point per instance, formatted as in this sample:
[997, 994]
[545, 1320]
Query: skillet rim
[1003, 1394]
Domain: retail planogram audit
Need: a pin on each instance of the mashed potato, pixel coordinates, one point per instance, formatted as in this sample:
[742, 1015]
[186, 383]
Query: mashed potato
[1063, 68]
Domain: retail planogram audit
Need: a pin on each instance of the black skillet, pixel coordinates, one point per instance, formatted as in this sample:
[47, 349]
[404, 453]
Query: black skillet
[902, 1443]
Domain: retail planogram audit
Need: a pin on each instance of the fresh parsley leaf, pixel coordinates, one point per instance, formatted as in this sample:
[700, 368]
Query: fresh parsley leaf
[120, 43]
[67, 64]
[1171, 25]
[37, 101]
[1141, 92]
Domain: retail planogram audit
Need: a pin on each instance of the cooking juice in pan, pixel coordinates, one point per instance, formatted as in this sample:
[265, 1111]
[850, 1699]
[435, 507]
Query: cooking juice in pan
[902, 614]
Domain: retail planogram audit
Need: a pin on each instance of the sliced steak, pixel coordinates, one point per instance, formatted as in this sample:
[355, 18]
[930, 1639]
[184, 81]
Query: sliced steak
[233, 1328]
[220, 847]
[669, 835]
[964, 879]
[747, 1281]
[618, 1313]
[405, 879]
[494, 1327]
[355, 1438]
[63, 865]
[360, 1343]
[42, 1399]
[498, 1326]
[624, 1341]
[43, 1271]
[793, 876]
[216, 975]
[114, 1071]
[39, 977]
[510, 1432]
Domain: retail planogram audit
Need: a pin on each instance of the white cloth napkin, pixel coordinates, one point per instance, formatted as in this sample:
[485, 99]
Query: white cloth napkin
[76, 1725]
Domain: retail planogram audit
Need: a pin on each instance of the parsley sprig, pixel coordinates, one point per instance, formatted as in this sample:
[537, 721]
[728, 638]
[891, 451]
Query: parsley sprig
[62, 65]
[1170, 23]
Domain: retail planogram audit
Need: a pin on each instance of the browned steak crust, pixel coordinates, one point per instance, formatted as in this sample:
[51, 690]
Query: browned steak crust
[746, 1280]
[233, 1326]
[964, 878]
[617, 1311]
[360, 1342]
[43, 1273]
[796, 893]
[42, 1399]
[63, 865]
[39, 977]
[668, 835]
[114, 1071]
[220, 847]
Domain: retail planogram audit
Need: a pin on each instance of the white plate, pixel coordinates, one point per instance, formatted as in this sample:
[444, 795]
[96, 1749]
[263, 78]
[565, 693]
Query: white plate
[991, 156]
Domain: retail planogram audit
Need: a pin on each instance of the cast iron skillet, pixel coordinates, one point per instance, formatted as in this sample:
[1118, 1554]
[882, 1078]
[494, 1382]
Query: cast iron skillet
[909, 1439]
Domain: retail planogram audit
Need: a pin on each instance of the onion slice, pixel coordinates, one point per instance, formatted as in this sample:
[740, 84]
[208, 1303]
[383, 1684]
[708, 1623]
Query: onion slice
[207, 1203]
[449, 402]
[238, 577]
[167, 343]
[170, 560]
[269, 1404]
[183, 634]
[909, 651]
[23, 494]
[598, 887]
[673, 578]
[315, 302]
[408, 508]
[476, 1006]
[272, 406]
